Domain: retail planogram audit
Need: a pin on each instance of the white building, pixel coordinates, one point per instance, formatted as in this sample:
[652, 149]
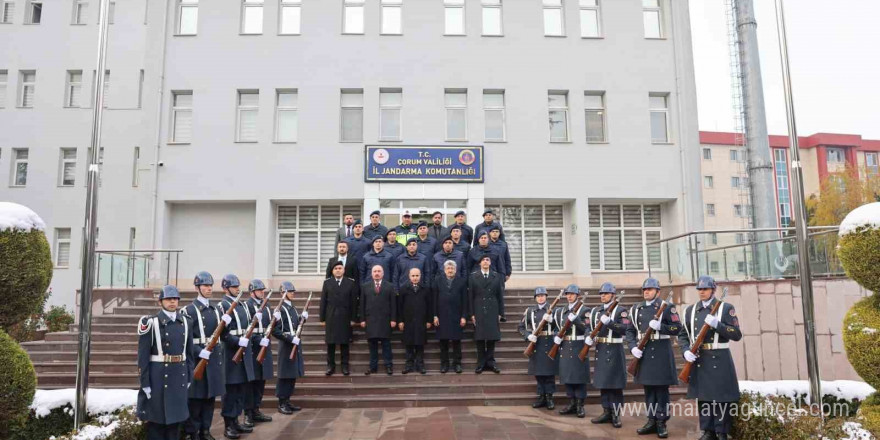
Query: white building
[258, 114]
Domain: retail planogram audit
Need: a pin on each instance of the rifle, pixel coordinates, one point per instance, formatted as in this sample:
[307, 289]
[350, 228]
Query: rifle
[299, 329]
[554, 350]
[262, 355]
[250, 331]
[685, 374]
[586, 350]
[215, 338]
[540, 327]
[633, 367]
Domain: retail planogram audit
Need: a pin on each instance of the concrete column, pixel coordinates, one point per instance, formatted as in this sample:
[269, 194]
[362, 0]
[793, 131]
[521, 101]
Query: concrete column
[579, 239]
[263, 239]
[371, 200]
[476, 203]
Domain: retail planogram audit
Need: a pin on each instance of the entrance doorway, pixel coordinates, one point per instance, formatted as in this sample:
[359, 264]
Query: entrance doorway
[392, 210]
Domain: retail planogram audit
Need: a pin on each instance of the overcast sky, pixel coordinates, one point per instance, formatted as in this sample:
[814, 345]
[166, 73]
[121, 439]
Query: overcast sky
[834, 49]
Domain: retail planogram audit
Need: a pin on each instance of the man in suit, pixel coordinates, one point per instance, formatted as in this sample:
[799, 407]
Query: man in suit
[347, 229]
[350, 264]
[436, 229]
[375, 229]
[414, 307]
[487, 308]
[378, 316]
[339, 296]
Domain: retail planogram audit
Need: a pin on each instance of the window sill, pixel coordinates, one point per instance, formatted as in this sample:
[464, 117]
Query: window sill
[78, 24]
[455, 35]
[24, 108]
[289, 35]
[284, 142]
[456, 140]
[18, 186]
[592, 38]
[62, 267]
[185, 35]
[491, 36]
[390, 140]
[662, 143]
[242, 34]
[560, 142]
[352, 142]
[599, 143]
[501, 141]
[390, 35]
[555, 36]
[247, 142]
[656, 38]
[352, 33]
[31, 24]
[177, 143]
[67, 186]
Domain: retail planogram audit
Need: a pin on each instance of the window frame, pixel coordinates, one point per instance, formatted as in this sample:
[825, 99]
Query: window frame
[598, 11]
[7, 11]
[455, 107]
[111, 13]
[485, 6]
[24, 85]
[291, 4]
[57, 247]
[279, 109]
[135, 167]
[239, 109]
[646, 259]
[667, 116]
[4, 87]
[603, 110]
[565, 111]
[251, 4]
[390, 5]
[63, 162]
[15, 161]
[398, 107]
[708, 182]
[783, 185]
[343, 106]
[73, 88]
[545, 8]
[838, 152]
[502, 109]
[707, 154]
[29, 12]
[710, 209]
[354, 4]
[183, 5]
[872, 169]
[80, 13]
[179, 109]
[296, 231]
[511, 228]
[658, 10]
[454, 5]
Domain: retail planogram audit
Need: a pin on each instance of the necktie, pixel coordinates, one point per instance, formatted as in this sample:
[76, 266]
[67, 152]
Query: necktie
[348, 231]
[339, 282]
[486, 276]
[377, 288]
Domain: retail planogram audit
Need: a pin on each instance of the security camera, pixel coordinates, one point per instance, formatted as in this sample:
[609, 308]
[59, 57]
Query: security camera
[161, 164]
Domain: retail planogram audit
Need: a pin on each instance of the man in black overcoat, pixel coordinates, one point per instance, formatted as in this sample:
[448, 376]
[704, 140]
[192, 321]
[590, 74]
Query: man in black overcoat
[378, 316]
[486, 303]
[414, 309]
[339, 297]
[450, 313]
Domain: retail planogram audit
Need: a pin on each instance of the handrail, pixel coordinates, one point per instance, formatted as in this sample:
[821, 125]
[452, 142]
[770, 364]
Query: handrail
[727, 231]
[752, 243]
[127, 251]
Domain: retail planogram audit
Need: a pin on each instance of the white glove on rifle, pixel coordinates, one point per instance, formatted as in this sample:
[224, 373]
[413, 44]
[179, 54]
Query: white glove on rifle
[205, 354]
[264, 342]
[226, 319]
[305, 315]
[296, 340]
[277, 316]
[572, 317]
[243, 342]
[532, 338]
[712, 321]
[589, 341]
[147, 391]
[637, 353]
[557, 340]
[259, 316]
[547, 317]
[690, 357]
[605, 319]
[654, 324]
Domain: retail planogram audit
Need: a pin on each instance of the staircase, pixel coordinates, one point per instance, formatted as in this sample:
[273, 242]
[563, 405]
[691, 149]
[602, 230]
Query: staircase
[114, 362]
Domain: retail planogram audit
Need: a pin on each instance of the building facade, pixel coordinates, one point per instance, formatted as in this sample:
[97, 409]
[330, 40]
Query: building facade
[236, 131]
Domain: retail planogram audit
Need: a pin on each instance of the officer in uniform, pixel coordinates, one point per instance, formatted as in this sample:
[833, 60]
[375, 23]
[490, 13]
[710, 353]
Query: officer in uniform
[482, 249]
[238, 374]
[713, 382]
[262, 372]
[427, 244]
[573, 373]
[488, 220]
[405, 230]
[202, 393]
[165, 366]
[392, 246]
[375, 229]
[657, 365]
[379, 256]
[338, 313]
[540, 364]
[408, 260]
[287, 320]
[486, 302]
[447, 252]
[610, 374]
[459, 243]
[358, 244]
[467, 232]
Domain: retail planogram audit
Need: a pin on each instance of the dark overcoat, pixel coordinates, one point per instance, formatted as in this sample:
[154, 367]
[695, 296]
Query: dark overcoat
[236, 372]
[450, 306]
[378, 309]
[205, 320]
[657, 366]
[441, 257]
[395, 249]
[414, 309]
[486, 304]
[351, 267]
[372, 258]
[609, 367]
[338, 309]
[167, 382]
[262, 371]
[713, 378]
[539, 363]
[462, 246]
[572, 370]
[405, 262]
[284, 331]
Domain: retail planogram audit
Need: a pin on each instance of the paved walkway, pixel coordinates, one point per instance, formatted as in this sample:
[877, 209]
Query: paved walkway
[447, 423]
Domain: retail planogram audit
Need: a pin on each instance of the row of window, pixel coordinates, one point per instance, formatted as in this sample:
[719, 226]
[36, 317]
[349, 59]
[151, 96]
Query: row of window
[73, 89]
[736, 155]
[67, 165]
[736, 182]
[34, 12]
[391, 113]
[740, 211]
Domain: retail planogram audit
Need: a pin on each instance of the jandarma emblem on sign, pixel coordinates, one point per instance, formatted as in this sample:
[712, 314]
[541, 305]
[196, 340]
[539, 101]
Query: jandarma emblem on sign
[424, 163]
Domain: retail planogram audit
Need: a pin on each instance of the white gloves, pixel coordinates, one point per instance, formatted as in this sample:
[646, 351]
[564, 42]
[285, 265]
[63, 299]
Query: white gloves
[557, 340]
[243, 342]
[532, 338]
[654, 324]
[305, 315]
[148, 392]
[259, 316]
[226, 319]
[605, 319]
[277, 316]
[205, 354]
[712, 321]
[264, 342]
[637, 353]
[690, 357]
[572, 317]
[547, 317]
[296, 340]
[589, 341]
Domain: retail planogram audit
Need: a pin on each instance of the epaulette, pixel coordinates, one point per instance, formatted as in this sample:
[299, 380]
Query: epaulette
[145, 324]
[350, 278]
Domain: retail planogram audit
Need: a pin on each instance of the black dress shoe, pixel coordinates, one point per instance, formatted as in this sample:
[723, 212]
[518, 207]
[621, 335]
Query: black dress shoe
[423, 370]
[708, 435]
[570, 409]
[580, 409]
[389, 371]
[368, 372]
[649, 428]
[192, 436]
[604, 418]
[206, 435]
[662, 432]
[284, 409]
[495, 369]
[550, 403]
[615, 419]
[457, 369]
[345, 370]
[478, 370]
[259, 417]
[293, 407]
[231, 433]
[540, 402]
[721, 436]
[444, 368]
[406, 370]
[330, 371]
[244, 428]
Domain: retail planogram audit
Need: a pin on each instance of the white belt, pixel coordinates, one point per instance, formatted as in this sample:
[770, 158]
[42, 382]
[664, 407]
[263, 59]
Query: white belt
[168, 359]
[576, 338]
[610, 340]
[718, 346]
[655, 336]
[201, 341]
[238, 332]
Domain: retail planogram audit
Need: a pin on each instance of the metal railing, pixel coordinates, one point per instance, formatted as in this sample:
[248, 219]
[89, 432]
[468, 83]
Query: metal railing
[746, 254]
[136, 268]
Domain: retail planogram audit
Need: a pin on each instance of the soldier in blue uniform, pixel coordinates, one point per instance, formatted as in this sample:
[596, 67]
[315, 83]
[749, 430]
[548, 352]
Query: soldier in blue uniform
[238, 374]
[165, 366]
[459, 242]
[408, 260]
[446, 253]
[482, 248]
[467, 232]
[287, 320]
[610, 362]
[713, 382]
[427, 244]
[377, 255]
[392, 246]
[573, 373]
[358, 244]
[540, 364]
[375, 229]
[500, 247]
[657, 366]
[488, 221]
[262, 372]
[202, 393]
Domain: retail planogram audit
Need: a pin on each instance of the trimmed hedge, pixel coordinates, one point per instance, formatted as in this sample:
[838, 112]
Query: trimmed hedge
[770, 418]
[870, 414]
[861, 339]
[859, 253]
[19, 381]
[60, 420]
[25, 273]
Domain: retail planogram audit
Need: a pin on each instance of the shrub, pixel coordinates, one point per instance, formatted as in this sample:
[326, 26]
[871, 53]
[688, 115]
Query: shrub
[26, 330]
[870, 414]
[25, 272]
[129, 428]
[782, 418]
[58, 319]
[861, 339]
[859, 253]
[58, 422]
[17, 386]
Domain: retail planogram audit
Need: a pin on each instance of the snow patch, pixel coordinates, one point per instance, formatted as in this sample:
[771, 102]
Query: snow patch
[869, 330]
[17, 217]
[865, 216]
[98, 401]
[856, 432]
[842, 389]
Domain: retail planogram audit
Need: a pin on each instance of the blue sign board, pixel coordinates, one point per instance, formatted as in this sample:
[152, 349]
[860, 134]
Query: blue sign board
[392, 163]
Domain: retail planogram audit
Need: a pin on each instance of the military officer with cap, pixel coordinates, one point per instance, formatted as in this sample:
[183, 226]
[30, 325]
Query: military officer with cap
[657, 366]
[392, 245]
[447, 252]
[486, 303]
[339, 302]
[540, 364]
[459, 242]
[573, 373]
[713, 382]
[358, 244]
[610, 361]
[483, 249]
[165, 367]
[238, 374]
[405, 230]
[488, 220]
[287, 320]
[467, 232]
[202, 393]
[410, 259]
[375, 229]
[259, 339]
[377, 255]
[427, 244]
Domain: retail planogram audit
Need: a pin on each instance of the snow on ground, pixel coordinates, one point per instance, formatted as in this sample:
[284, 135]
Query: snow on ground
[98, 401]
[842, 389]
[15, 216]
[865, 215]
[856, 432]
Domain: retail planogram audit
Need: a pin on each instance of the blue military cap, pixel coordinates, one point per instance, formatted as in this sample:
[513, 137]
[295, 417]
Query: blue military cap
[488, 211]
[492, 227]
[423, 223]
[287, 286]
[651, 283]
[458, 213]
[540, 290]
[389, 231]
[573, 288]
[256, 285]
[607, 288]
[230, 280]
[412, 240]
[482, 233]
[203, 279]
[378, 237]
[338, 263]
[706, 282]
[445, 239]
[376, 212]
[169, 292]
[455, 226]
[357, 222]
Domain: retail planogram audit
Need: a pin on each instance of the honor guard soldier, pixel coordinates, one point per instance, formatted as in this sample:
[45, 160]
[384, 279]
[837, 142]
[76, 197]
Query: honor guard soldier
[467, 232]
[610, 362]
[262, 372]
[339, 301]
[287, 321]
[205, 318]
[657, 366]
[165, 366]
[573, 373]
[238, 374]
[358, 244]
[450, 313]
[375, 229]
[713, 382]
[541, 365]
[486, 303]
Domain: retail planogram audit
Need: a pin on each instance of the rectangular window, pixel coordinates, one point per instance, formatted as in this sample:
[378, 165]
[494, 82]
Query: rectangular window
[590, 23]
[132, 237]
[713, 267]
[492, 18]
[181, 116]
[713, 238]
[4, 80]
[290, 17]
[80, 12]
[353, 17]
[783, 196]
[594, 110]
[62, 247]
[659, 104]
[392, 17]
[836, 156]
[306, 236]
[67, 167]
[494, 114]
[619, 235]
[106, 87]
[708, 182]
[187, 17]
[286, 116]
[557, 102]
[554, 18]
[707, 153]
[740, 238]
[100, 165]
[111, 13]
[456, 114]
[141, 89]
[738, 211]
[390, 109]
[871, 164]
[351, 127]
[248, 112]
[33, 12]
[252, 17]
[7, 10]
[534, 235]
[741, 266]
[653, 16]
[73, 90]
[710, 209]
[135, 167]
[737, 155]
[28, 87]
[454, 17]
[19, 166]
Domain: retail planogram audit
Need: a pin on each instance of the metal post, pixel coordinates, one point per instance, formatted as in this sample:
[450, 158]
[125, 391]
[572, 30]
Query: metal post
[800, 215]
[90, 227]
[668, 263]
[726, 276]
[691, 259]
